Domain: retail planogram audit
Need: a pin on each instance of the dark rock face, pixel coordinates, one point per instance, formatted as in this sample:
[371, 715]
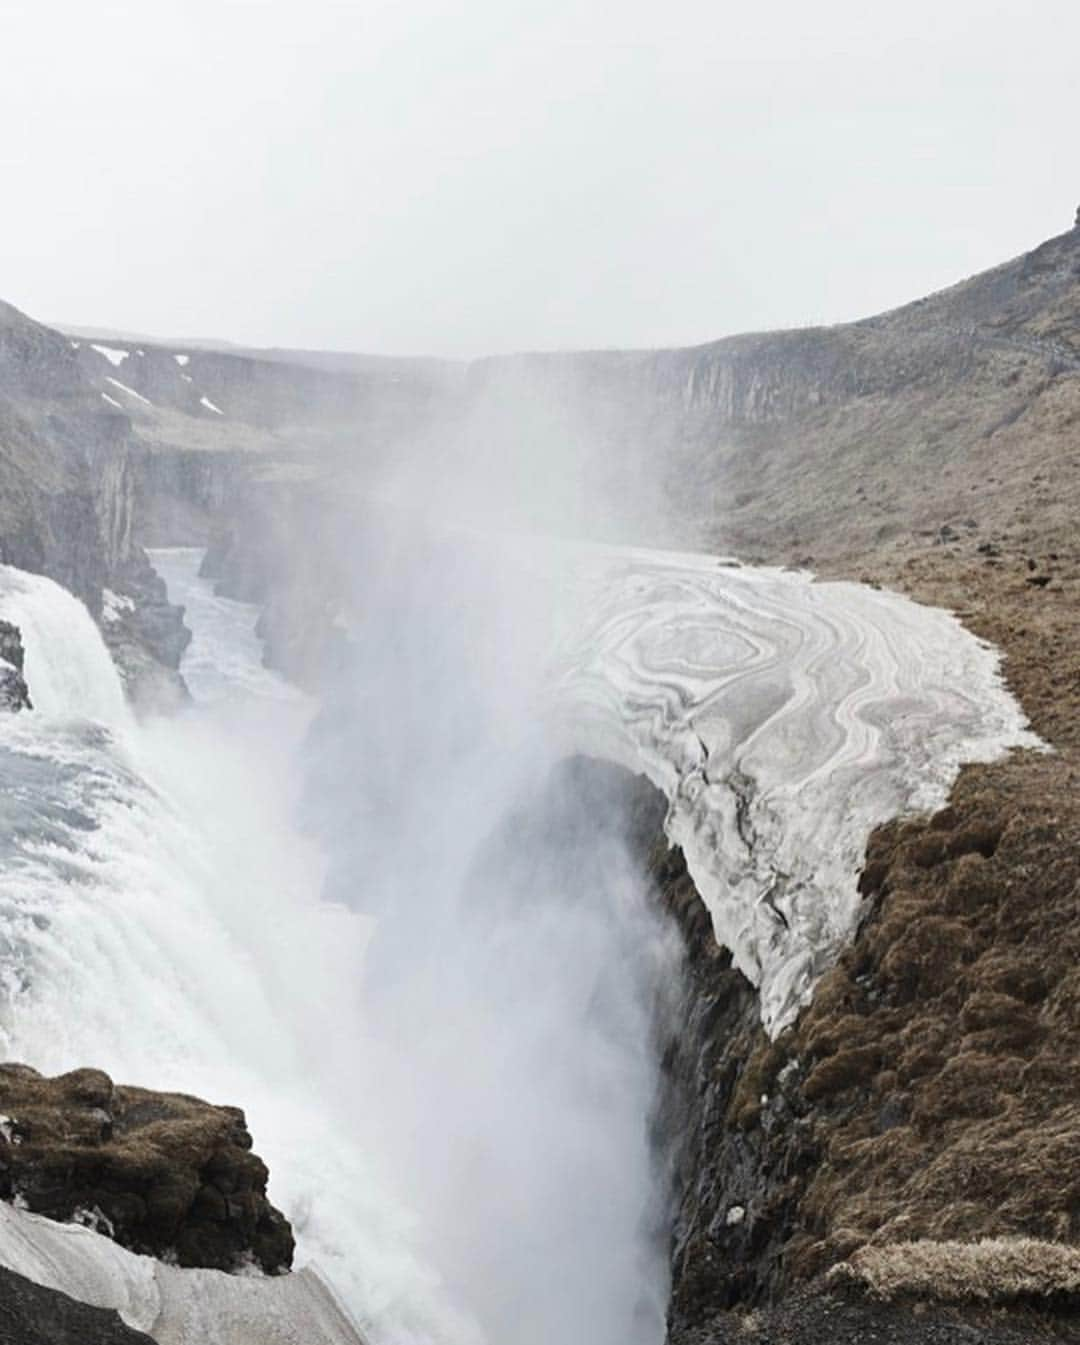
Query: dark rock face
[164, 1174]
[736, 1184]
[180, 492]
[14, 693]
[928, 1091]
[33, 1315]
[785, 1156]
[62, 508]
[146, 636]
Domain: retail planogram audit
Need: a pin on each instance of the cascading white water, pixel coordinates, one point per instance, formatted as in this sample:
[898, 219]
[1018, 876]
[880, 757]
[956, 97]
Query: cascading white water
[515, 960]
[451, 1090]
[72, 672]
[162, 919]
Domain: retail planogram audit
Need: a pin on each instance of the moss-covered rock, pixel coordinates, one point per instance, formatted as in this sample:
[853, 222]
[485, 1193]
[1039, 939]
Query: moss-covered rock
[162, 1173]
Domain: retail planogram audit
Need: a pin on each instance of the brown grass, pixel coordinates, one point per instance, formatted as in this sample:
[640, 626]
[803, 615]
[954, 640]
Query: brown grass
[993, 1270]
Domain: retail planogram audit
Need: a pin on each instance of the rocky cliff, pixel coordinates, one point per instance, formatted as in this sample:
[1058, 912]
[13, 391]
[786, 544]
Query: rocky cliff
[163, 1174]
[951, 417]
[69, 466]
[948, 423]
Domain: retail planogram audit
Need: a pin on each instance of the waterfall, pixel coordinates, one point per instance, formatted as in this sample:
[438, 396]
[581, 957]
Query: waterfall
[72, 673]
[442, 1045]
[161, 918]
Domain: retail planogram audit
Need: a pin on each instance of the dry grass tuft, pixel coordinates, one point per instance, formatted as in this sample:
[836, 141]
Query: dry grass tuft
[994, 1270]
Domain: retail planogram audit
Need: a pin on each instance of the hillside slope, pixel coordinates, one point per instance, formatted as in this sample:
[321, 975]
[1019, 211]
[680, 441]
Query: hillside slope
[960, 411]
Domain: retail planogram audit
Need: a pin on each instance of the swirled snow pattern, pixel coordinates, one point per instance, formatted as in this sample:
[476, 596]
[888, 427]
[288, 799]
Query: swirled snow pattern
[784, 719]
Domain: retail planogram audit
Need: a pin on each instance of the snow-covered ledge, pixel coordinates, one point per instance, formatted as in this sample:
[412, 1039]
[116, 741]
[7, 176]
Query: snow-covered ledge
[784, 719]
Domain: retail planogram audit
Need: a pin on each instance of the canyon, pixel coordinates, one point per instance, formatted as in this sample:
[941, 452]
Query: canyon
[925, 1090]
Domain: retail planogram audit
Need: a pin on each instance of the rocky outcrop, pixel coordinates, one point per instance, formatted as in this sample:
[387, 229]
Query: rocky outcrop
[787, 1156]
[14, 693]
[164, 1174]
[146, 636]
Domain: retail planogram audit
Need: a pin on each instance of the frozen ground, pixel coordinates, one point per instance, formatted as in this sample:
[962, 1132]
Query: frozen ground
[784, 719]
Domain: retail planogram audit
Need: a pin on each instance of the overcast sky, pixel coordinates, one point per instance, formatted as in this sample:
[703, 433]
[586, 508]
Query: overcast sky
[455, 178]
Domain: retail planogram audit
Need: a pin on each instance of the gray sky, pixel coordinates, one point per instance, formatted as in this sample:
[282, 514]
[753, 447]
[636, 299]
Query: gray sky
[425, 177]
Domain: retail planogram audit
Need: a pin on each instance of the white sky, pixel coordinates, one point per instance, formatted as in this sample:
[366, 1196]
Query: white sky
[414, 176]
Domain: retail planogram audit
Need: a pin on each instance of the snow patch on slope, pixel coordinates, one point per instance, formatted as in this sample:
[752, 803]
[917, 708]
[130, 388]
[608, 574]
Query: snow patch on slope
[130, 391]
[114, 356]
[784, 719]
